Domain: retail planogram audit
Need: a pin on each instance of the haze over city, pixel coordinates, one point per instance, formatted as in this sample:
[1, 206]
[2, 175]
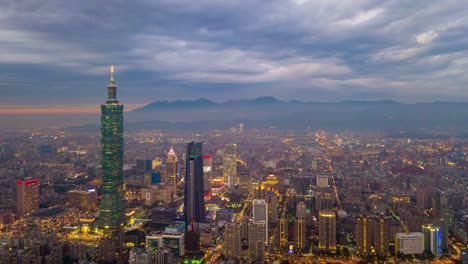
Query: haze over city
[233, 132]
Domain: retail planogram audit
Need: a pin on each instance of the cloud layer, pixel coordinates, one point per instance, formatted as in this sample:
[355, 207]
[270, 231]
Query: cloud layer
[56, 53]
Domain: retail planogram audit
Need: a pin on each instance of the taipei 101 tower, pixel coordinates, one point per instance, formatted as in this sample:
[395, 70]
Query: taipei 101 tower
[112, 209]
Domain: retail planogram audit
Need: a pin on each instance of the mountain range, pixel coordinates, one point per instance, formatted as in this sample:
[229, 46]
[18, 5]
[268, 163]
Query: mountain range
[268, 111]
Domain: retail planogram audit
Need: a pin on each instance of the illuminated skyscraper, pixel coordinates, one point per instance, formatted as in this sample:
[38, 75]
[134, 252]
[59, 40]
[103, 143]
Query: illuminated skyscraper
[363, 237]
[233, 240]
[300, 233]
[194, 202]
[257, 241]
[432, 239]
[372, 235]
[260, 214]
[171, 167]
[229, 164]
[323, 200]
[112, 209]
[409, 243]
[381, 229]
[327, 230]
[283, 232]
[27, 197]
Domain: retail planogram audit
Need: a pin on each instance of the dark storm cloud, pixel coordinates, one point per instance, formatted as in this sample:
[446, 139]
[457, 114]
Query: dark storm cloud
[59, 51]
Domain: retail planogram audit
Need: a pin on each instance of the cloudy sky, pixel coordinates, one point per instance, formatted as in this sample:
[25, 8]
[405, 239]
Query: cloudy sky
[55, 54]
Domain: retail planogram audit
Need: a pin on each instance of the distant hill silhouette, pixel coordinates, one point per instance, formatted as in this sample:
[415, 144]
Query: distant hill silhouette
[268, 111]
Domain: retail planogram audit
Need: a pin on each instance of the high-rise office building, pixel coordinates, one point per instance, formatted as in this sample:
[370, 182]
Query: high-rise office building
[424, 197]
[171, 167]
[300, 233]
[233, 240]
[27, 196]
[381, 237]
[194, 202]
[229, 164]
[283, 232]
[192, 241]
[260, 214]
[272, 201]
[327, 230]
[323, 200]
[432, 239]
[443, 224]
[409, 243]
[112, 209]
[363, 236]
[144, 165]
[257, 241]
[372, 235]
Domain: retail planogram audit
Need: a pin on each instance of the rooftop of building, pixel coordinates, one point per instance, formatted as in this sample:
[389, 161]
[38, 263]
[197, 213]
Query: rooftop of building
[49, 212]
[176, 224]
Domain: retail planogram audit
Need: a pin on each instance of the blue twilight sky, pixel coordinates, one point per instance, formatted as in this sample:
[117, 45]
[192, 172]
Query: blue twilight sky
[55, 53]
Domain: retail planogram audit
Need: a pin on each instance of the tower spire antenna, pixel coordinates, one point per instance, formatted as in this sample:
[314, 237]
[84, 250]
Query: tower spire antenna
[111, 88]
[112, 75]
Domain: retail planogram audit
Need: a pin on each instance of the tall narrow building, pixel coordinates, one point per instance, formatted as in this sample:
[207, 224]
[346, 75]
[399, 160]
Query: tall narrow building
[27, 197]
[260, 214]
[171, 167]
[112, 209]
[233, 240]
[327, 230]
[229, 164]
[272, 201]
[194, 203]
[300, 233]
[257, 241]
[432, 239]
[283, 231]
[363, 235]
[381, 237]
[372, 235]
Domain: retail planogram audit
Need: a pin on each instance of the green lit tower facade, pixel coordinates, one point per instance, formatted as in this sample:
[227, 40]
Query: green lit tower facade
[112, 208]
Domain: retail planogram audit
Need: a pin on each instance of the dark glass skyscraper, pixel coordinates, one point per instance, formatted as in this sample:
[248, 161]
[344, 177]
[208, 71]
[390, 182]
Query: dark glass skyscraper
[112, 209]
[194, 203]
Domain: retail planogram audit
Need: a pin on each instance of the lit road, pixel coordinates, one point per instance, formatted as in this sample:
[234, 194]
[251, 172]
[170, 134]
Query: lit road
[405, 228]
[309, 259]
[335, 188]
[212, 255]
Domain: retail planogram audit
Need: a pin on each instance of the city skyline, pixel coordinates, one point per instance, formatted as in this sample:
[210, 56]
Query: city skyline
[323, 135]
[311, 50]
[306, 196]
